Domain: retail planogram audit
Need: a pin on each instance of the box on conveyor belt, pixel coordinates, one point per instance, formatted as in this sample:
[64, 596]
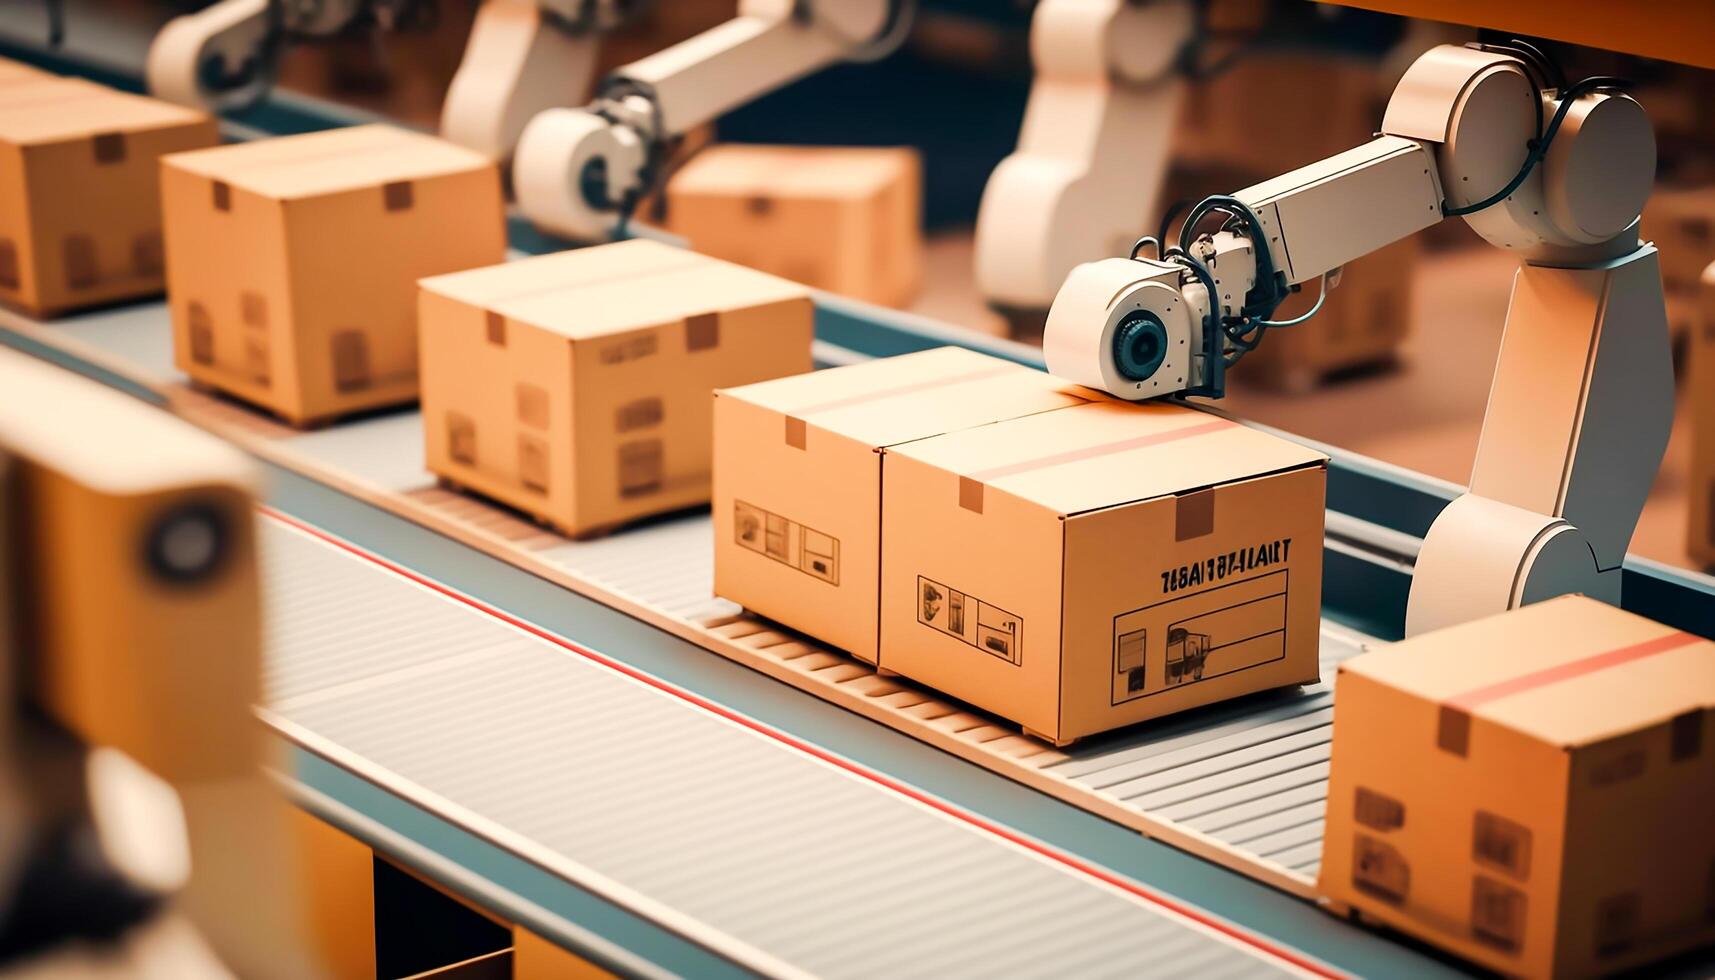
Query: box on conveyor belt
[1090, 567]
[1533, 791]
[293, 262]
[798, 477]
[577, 387]
[1363, 323]
[844, 219]
[80, 201]
[12, 71]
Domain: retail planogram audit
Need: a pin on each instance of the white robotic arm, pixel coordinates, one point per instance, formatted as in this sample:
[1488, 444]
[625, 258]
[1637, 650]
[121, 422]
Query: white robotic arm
[1093, 151]
[1582, 402]
[224, 56]
[524, 57]
[578, 172]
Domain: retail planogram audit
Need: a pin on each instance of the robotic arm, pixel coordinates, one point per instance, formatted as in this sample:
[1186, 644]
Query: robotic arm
[1582, 402]
[224, 56]
[579, 172]
[523, 57]
[1093, 152]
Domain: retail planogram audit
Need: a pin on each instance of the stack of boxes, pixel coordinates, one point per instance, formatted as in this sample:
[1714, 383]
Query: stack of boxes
[843, 219]
[80, 206]
[1063, 560]
[294, 261]
[1534, 791]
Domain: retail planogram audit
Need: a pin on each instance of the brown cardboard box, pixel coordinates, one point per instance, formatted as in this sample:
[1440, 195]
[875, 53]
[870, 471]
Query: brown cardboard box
[1228, 118]
[293, 262]
[577, 386]
[13, 71]
[1533, 791]
[844, 219]
[80, 204]
[1681, 223]
[798, 477]
[1700, 405]
[1363, 323]
[1090, 567]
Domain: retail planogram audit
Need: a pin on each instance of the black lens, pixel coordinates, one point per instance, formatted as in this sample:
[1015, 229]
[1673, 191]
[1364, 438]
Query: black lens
[188, 544]
[1140, 345]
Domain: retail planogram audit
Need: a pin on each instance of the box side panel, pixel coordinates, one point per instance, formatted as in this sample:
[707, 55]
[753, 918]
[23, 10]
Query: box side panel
[645, 402]
[227, 290]
[18, 273]
[355, 260]
[1192, 599]
[1640, 858]
[497, 407]
[797, 516]
[1461, 850]
[970, 593]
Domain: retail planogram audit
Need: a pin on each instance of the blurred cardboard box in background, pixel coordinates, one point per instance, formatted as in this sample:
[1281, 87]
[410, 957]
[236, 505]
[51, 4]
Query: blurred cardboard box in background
[1532, 791]
[80, 198]
[843, 219]
[293, 262]
[1091, 567]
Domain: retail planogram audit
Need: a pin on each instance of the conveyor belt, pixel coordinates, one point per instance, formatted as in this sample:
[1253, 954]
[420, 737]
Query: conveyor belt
[1240, 783]
[781, 860]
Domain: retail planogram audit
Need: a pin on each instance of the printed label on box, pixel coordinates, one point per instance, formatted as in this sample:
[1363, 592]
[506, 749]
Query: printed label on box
[787, 542]
[989, 628]
[1198, 635]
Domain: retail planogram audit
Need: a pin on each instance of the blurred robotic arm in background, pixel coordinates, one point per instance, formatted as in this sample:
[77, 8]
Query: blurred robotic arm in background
[224, 56]
[579, 172]
[1582, 401]
[1094, 148]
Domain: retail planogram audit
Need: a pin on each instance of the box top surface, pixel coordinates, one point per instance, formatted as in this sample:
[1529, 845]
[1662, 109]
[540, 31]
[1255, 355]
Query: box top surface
[613, 288]
[107, 440]
[1570, 671]
[1107, 453]
[751, 170]
[328, 162]
[894, 400]
[47, 109]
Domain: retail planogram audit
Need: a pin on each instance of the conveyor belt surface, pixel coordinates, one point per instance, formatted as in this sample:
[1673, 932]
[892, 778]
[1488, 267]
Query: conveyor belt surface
[784, 861]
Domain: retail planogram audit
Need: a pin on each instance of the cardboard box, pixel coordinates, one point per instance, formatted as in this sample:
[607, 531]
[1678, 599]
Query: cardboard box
[1681, 223]
[80, 203]
[1700, 406]
[1090, 567]
[844, 219]
[13, 71]
[1533, 791]
[797, 489]
[1363, 324]
[1226, 118]
[577, 387]
[293, 262]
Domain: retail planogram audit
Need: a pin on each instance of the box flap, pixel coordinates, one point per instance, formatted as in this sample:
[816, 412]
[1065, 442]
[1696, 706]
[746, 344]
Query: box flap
[894, 400]
[748, 170]
[331, 161]
[606, 289]
[51, 110]
[1570, 671]
[1110, 452]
